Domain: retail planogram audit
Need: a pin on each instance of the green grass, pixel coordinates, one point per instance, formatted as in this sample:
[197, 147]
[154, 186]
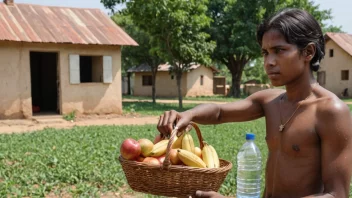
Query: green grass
[148, 108]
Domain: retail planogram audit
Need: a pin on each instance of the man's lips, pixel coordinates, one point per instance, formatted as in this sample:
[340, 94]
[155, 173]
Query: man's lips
[273, 74]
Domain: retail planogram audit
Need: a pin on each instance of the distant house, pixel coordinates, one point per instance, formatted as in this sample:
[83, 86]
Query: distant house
[59, 60]
[197, 82]
[336, 66]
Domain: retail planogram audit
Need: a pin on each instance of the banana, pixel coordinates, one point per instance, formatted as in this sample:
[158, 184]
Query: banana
[207, 156]
[210, 157]
[187, 143]
[178, 142]
[159, 148]
[215, 157]
[190, 159]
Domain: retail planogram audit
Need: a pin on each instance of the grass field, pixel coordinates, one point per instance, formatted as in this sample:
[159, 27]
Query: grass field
[82, 161]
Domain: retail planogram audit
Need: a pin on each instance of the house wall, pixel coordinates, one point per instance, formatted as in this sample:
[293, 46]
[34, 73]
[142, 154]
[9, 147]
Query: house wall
[15, 86]
[165, 86]
[333, 67]
[194, 88]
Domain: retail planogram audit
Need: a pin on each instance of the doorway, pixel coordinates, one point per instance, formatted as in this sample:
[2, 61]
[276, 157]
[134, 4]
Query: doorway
[44, 82]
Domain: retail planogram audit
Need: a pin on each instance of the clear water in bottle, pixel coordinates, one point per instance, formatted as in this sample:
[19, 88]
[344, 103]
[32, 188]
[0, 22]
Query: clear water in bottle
[249, 164]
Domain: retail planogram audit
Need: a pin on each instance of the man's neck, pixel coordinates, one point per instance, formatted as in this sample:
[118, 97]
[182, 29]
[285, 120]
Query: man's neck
[300, 89]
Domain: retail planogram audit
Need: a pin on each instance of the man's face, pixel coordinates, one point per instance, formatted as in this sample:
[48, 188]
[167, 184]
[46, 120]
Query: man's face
[282, 61]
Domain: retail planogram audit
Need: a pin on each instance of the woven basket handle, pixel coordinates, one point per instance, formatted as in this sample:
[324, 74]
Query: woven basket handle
[174, 132]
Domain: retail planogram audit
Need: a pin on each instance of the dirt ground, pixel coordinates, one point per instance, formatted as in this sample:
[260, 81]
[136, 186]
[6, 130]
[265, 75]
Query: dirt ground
[20, 126]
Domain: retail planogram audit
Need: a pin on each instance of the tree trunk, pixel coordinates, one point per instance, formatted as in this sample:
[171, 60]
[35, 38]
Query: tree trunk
[236, 68]
[154, 71]
[128, 83]
[179, 90]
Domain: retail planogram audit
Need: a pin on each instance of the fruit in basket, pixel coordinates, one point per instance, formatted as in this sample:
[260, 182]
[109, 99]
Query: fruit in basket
[140, 159]
[210, 157]
[161, 159]
[146, 146]
[130, 149]
[174, 159]
[187, 143]
[178, 142]
[215, 157]
[159, 148]
[151, 161]
[198, 151]
[190, 159]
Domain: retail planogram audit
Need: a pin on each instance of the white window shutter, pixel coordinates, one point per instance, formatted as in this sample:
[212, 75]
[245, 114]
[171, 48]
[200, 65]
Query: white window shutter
[74, 69]
[107, 69]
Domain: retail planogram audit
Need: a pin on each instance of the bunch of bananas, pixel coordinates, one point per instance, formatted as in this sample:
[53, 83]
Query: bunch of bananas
[188, 153]
[193, 156]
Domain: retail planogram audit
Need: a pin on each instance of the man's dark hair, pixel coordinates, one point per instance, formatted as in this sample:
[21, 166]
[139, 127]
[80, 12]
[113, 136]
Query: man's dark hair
[299, 28]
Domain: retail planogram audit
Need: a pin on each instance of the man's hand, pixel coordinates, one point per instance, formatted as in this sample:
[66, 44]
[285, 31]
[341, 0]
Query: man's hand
[170, 118]
[210, 194]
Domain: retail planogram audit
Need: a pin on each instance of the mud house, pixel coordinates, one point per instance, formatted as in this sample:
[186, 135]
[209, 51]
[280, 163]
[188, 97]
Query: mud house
[59, 60]
[198, 81]
[336, 66]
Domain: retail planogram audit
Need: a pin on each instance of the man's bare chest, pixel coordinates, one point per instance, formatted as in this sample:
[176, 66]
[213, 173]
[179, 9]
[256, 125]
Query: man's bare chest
[298, 138]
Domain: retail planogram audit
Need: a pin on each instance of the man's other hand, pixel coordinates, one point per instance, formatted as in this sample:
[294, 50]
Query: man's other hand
[210, 194]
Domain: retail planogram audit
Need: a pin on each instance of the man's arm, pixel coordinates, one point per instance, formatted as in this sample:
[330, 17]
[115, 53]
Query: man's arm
[334, 128]
[247, 109]
[244, 110]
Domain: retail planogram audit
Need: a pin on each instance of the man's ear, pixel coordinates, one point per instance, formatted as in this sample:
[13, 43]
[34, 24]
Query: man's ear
[309, 52]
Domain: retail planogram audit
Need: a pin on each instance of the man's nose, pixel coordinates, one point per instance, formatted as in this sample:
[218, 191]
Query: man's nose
[269, 61]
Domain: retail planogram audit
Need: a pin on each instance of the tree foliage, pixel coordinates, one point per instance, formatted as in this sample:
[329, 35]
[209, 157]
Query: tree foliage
[234, 30]
[254, 70]
[145, 53]
[177, 28]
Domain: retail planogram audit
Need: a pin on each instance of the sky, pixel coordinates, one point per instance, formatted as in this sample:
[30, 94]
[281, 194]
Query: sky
[341, 9]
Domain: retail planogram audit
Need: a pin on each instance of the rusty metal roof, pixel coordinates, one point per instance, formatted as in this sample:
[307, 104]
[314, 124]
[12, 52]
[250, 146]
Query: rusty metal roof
[341, 39]
[162, 67]
[48, 24]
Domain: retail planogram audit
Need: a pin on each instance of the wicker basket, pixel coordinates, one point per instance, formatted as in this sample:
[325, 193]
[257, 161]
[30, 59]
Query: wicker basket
[174, 180]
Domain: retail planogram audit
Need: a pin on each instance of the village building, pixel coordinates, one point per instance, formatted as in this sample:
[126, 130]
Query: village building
[59, 60]
[336, 67]
[199, 80]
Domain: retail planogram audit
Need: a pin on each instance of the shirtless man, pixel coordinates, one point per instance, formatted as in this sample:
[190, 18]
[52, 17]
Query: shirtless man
[308, 128]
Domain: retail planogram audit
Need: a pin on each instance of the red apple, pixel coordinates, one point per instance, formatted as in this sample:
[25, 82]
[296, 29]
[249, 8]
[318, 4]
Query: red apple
[130, 149]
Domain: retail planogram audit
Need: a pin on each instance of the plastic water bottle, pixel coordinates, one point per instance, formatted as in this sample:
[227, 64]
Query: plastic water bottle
[249, 164]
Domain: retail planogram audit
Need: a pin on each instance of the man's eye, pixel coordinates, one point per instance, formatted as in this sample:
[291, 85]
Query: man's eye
[264, 53]
[278, 50]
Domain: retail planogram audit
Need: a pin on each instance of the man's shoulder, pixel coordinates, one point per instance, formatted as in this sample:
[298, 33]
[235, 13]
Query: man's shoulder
[267, 95]
[332, 112]
[329, 104]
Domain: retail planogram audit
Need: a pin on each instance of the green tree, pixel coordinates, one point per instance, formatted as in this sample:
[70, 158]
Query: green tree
[177, 28]
[254, 70]
[332, 28]
[234, 30]
[145, 53]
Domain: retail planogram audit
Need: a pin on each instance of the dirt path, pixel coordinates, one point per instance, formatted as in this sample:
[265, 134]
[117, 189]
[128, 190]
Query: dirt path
[20, 126]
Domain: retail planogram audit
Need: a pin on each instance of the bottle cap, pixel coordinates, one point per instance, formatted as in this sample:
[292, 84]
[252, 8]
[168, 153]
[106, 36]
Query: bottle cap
[250, 136]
